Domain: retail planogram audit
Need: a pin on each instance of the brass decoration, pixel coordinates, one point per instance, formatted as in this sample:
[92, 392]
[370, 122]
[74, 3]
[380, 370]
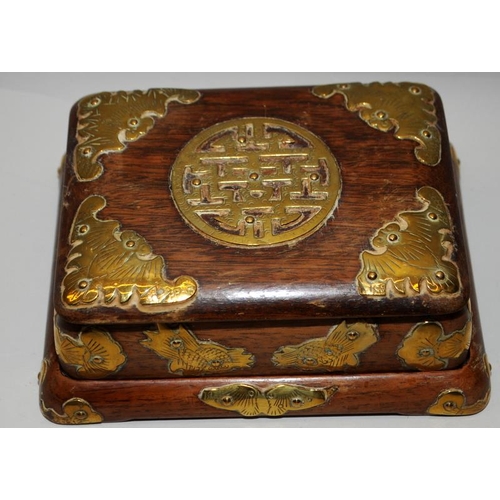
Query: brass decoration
[277, 400]
[188, 355]
[338, 350]
[413, 254]
[43, 371]
[109, 120]
[451, 402]
[107, 265]
[255, 182]
[426, 347]
[95, 354]
[406, 108]
[75, 411]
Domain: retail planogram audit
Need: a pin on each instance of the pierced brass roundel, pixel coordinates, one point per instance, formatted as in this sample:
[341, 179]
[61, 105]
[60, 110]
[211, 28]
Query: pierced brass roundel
[255, 182]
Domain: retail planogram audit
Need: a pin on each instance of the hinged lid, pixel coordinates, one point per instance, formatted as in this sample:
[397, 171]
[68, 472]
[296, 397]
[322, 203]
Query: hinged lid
[335, 201]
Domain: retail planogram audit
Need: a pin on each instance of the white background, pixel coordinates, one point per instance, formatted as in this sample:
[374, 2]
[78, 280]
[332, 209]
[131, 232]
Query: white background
[33, 129]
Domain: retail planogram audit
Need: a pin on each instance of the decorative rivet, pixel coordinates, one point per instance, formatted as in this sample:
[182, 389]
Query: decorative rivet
[94, 101]
[352, 335]
[314, 177]
[381, 115]
[98, 359]
[130, 243]
[83, 229]
[81, 414]
[426, 134]
[392, 237]
[196, 182]
[241, 139]
[86, 151]
[344, 86]
[439, 275]
[249, 219]
[415, 90]
[297, 401]
[450, 405]
[433, 216]
[425, 352]
[176, 343]
[372, 275]
[133, 122]
[227, 400]
[254, 175]
[83, 284]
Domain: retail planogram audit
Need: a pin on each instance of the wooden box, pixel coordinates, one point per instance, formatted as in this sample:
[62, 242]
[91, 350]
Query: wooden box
[261, 252]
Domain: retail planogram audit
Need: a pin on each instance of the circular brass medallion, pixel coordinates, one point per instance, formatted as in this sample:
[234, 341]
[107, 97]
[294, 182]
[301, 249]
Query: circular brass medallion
[255, 182]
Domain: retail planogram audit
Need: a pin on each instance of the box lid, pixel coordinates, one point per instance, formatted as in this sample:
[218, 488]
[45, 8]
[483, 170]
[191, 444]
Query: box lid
[334, 201]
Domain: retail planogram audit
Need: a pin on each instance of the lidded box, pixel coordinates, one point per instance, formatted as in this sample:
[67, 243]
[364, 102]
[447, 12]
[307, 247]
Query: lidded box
[265, 252]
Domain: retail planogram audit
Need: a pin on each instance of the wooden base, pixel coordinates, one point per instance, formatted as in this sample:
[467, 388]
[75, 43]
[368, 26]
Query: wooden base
[462, 391]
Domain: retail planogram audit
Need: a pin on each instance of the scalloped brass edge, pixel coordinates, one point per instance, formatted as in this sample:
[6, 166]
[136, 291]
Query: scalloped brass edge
[94, 353]
[452, 402]
[107, 266]
[274, 401]
[412, 254]
[432, 350]
[185, 353]
[75, 411]
[339, 349]
[407, 108]
[107, 121]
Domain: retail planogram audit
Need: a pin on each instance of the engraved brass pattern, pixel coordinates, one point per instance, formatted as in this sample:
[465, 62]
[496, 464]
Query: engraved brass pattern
[413, 254]
[43, 371]
[109, 120]
[406, 108]
[254, 182]
[426, 347]
[452, 402]
[107, 265]
[75, 411]
[277, 400]
[94, 354]
[338, 350]
[186, 354]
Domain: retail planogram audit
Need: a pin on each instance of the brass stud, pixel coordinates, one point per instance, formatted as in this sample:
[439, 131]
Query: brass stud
[426, 134]
[83, 285]
[450, 405]
[433, 216]
[352, 335]
[95, 101]
[372, 275]
[83, 229]
[227, 400]
[415, 90]
[425, 352]
[130, 243]
[133, 122]
[81, 414]
[344, 86]
[254, 175]
[393, 237]
[98, 359]
[86, 151]
[297, 401]
[314, 177]
[382, 115]
[440, 275]
[196, 182]
[176, 343]
[241, 139]
[249, 219]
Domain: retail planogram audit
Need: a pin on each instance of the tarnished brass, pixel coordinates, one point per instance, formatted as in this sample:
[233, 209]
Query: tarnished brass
[95, 354]
[277, 400]
[107, 266]
[255, 182]
[406, 108]
[413, 254]
[451, 402]
[187, 355]
[75, 411]
[426, 347]
[338, 350]
[109, 120]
